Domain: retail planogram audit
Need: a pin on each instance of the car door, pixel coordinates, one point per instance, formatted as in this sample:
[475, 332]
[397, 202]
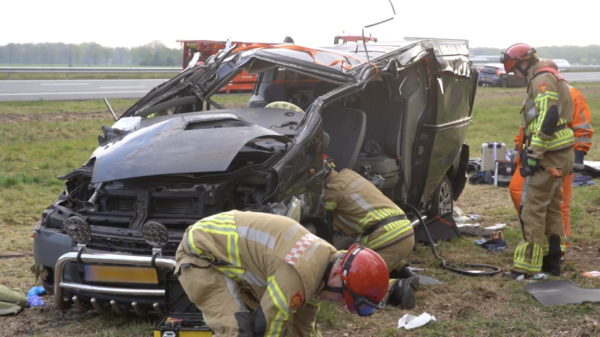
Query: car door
[437, 114]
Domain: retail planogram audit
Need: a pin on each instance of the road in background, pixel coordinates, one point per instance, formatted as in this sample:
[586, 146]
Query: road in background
[64, 90]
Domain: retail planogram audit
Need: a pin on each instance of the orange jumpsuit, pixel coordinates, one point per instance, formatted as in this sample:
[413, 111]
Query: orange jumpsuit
[582, 130]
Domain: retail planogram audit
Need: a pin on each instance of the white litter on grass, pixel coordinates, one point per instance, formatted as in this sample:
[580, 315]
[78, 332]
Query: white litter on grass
[411, 322]
[496, 227]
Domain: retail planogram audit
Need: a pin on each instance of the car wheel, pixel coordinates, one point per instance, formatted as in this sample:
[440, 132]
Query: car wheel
[505, 83]
[442, 201]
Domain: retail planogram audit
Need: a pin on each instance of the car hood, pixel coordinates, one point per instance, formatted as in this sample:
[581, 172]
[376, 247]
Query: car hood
[180, 145]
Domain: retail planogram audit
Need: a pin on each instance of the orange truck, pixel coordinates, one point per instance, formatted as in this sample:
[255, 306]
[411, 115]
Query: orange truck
[206, 48]
[352, 38]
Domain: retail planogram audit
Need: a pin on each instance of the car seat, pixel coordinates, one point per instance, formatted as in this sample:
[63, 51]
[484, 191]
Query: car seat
[346, 130]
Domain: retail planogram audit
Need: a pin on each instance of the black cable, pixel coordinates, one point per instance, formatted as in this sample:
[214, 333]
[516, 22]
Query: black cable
[448, 266]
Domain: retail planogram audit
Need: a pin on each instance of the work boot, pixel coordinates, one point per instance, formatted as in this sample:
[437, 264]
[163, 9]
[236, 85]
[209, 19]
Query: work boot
[551, 262]
[514, 275]
[403, 272]
[403, 293]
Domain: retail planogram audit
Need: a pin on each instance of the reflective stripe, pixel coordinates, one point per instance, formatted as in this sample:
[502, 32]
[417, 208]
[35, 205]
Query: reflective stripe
[234, 290]
[357, 182]
[563, 137]
[236, 274]
[555, 185]
[350, 224]
[330, 206]
[257, 236]
[277, 297]
[546, 248]
[222, 224]
[567, 224]
[532, 264]
[398, 227]
[254, 279]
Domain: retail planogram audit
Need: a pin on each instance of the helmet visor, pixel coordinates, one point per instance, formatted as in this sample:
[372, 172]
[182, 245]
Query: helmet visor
[509, 64]
[360, 305]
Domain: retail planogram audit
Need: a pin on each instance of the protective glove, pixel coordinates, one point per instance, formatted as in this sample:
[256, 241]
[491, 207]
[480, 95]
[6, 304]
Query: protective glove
[533, 164]
[579, 157]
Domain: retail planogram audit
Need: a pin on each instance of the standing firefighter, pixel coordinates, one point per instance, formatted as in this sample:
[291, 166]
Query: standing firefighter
[360, 210]
[582, 129]
[235, 261]
[547, 159]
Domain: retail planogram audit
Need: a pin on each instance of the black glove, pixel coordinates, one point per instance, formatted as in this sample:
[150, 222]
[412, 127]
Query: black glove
[579, 157]
[533, 164]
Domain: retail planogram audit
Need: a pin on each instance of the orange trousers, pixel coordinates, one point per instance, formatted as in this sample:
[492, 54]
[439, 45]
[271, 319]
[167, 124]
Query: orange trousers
[516, 186]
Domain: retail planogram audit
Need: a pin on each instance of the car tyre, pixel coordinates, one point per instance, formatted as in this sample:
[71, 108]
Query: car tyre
[505, 83]
[442, 201]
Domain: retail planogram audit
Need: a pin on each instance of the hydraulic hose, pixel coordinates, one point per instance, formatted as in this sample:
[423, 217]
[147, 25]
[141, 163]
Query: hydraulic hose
[454, 267]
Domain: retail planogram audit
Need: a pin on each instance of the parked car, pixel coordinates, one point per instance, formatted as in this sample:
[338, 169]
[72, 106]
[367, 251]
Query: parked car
[398, 111]
[494, 75]
[563, 65]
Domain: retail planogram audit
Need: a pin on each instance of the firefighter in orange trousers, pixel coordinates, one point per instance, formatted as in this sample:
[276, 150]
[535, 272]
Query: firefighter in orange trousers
[583, 132]
[235, 261]
[361, 211]
[547, 160]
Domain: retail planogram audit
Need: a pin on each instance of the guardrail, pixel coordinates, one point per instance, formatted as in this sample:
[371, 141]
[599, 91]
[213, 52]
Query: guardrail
[79, 70]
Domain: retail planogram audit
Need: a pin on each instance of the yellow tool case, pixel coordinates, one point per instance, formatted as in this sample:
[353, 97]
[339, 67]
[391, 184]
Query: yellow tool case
[181, 317]
[182, 325]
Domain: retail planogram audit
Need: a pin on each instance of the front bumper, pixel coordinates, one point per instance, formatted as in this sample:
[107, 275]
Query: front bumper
[95, 292]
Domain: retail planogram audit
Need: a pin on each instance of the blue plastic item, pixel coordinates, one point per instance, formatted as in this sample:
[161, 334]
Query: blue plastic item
[35, 301]
[36, 291]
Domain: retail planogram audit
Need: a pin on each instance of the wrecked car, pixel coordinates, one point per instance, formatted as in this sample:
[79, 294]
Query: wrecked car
[396, 112]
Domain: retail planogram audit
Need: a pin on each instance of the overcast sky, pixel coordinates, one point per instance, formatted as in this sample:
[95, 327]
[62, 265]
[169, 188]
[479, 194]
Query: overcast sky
[484, 23]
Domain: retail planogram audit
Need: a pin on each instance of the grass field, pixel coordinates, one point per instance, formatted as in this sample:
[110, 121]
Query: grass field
[40, 140]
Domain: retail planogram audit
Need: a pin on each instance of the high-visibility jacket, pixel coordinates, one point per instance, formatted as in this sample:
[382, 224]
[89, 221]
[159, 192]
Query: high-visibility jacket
[581, 125]
[547, 129]
[273, 259]
[357, 205]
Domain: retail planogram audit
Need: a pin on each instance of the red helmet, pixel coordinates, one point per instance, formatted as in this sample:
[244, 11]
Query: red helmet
[516, 53]
[365, 278]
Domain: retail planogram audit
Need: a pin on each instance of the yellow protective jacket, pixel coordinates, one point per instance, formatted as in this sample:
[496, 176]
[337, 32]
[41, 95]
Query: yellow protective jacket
[548, 112]
[273, 259]
[357, 205]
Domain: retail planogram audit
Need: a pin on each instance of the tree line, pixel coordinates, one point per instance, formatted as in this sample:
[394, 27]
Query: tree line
[587, 55]
[89, 54]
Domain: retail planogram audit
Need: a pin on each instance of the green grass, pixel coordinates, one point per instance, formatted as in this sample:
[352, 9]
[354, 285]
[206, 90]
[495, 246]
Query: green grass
[38, 142]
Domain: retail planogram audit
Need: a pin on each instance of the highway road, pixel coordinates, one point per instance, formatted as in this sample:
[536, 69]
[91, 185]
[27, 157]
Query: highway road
[61, 90]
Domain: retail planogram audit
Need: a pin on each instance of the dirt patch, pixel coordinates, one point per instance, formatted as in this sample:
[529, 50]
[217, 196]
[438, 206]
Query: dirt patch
[52, 117]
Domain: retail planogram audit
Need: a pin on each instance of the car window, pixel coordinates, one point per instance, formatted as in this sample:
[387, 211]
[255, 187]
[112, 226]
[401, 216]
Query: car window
[285, 75]
[489, 70]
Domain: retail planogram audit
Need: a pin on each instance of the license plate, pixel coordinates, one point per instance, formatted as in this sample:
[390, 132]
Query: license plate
[117, 274]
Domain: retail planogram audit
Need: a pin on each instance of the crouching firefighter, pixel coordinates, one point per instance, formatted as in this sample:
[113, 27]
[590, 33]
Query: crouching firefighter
[360, 210]
[547, 159]
[260, 274]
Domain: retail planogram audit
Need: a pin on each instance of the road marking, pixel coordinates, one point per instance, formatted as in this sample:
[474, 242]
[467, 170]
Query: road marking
[124, 86]
[64, 84]
[74, 93]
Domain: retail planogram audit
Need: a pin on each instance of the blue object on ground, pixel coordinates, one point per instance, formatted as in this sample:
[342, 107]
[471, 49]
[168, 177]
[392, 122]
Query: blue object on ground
[33, 298]
[36, 291]
[35, 301]
[581, 180]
